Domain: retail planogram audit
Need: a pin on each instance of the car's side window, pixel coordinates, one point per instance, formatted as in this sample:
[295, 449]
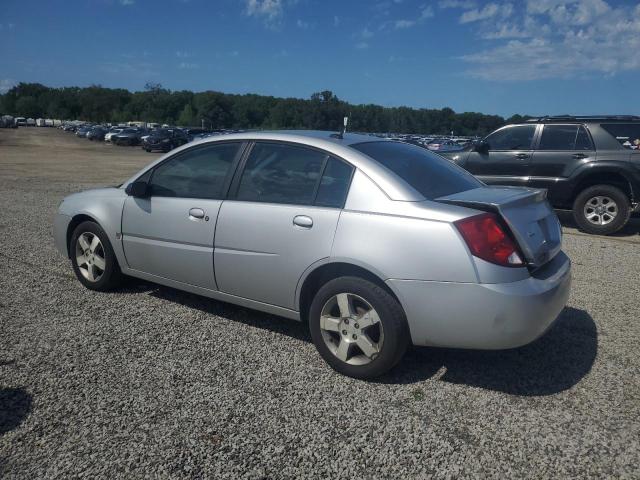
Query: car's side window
[583, 140]
[518, 137]
[197, 173]
[334, 184]
[564, 137]
[281, 173]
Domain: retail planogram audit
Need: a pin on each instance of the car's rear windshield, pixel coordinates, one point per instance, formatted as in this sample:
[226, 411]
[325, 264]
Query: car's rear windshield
[628, 134]
[428, 173]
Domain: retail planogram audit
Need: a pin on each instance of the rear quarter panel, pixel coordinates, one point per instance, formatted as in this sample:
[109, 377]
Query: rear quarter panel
[397, 247]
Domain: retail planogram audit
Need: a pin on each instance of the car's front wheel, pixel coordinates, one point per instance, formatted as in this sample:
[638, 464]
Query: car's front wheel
[358, 327]
[93, 259]
[601, 209]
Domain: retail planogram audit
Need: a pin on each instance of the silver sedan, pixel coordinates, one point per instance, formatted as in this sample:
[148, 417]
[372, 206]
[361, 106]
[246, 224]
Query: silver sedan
[377, 244]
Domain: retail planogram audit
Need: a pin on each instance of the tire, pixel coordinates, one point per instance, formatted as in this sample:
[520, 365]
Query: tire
[389, 336]
[91, 264]
[601, 209]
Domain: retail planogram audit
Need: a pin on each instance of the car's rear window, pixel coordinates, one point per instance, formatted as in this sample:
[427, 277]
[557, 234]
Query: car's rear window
[428, 173]
[628, 134]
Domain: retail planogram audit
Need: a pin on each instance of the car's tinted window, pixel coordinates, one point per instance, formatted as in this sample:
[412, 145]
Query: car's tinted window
[628, 134]
[334, 184]
[281, 173]
[564, 137]
[518, 137]
[428, 173]
[583, 140]
[195, 173]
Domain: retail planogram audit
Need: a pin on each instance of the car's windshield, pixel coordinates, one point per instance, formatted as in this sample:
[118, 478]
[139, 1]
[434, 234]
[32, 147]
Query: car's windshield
[428, 173]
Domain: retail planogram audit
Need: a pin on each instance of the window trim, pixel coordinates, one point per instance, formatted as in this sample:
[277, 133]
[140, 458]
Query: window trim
[578, 125]
[232, 194]
[242, 145]
[534, 140]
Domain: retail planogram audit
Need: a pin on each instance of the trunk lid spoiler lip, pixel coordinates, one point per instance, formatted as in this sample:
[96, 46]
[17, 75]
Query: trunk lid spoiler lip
[539, 237]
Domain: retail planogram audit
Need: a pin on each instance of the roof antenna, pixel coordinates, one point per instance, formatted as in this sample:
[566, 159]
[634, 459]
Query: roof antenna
[340, 134]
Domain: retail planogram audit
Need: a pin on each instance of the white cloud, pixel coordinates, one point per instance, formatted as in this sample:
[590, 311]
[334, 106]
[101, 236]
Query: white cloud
[302, 24]
[183, 54]
[269, 10]
[400, 24]
[6, 84]
[490, 10]
[127, 2]
[425, 12]
[188, 66]
[559, 39]
[464, 4]
[336, 21]
[362, 45]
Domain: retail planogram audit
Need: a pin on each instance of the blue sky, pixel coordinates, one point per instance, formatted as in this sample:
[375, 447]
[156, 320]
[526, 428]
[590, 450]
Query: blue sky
[502, 57]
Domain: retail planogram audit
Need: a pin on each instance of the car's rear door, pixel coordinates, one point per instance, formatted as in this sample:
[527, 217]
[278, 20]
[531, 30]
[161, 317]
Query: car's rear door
[170, 233]
[281, 218]
[508, 156]
[560, 150]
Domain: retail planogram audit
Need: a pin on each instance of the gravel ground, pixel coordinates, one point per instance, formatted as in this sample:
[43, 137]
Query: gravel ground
[152, 382]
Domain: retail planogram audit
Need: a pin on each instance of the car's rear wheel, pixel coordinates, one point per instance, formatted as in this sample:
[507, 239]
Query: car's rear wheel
[601, 209]
[93, 259]
[358, 327]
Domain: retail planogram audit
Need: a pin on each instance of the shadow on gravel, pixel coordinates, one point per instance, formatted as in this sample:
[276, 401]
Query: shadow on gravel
[553, 363]
[254, 318]
[15, 405]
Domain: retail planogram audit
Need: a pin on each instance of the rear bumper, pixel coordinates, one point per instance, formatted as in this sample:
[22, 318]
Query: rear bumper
[485, 316]
[60, 226]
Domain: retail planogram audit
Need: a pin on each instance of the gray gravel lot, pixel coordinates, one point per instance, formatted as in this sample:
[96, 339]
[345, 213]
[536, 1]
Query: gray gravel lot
[150, 381]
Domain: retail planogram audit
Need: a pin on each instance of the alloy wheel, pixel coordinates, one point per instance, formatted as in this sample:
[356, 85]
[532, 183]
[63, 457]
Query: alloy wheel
[351, 329]
[90, 256]
[600, 210]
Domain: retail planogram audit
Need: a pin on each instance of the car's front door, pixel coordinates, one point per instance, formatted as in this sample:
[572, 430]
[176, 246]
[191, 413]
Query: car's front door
[281, 219]
[506, 159]
[170, 233]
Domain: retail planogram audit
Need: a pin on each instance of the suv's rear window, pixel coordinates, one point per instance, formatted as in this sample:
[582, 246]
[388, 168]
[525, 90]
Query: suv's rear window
[428, 173]
[628, 134]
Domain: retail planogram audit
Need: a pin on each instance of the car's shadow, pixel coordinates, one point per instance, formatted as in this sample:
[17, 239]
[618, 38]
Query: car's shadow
[553, 363]
[15, 405]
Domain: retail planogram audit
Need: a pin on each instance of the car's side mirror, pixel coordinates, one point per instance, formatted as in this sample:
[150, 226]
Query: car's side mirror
[481, 147]
[138, 189]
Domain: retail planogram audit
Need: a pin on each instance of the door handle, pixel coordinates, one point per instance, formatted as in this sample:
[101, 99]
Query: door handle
[521, 156]
[196, 213]
[579, 156]
[303, 221]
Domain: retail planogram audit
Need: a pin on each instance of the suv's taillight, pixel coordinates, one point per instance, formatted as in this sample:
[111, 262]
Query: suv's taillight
[488, 240]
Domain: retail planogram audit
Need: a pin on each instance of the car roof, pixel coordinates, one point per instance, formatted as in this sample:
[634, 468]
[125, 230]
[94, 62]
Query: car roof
[585, 119]
[302, 135]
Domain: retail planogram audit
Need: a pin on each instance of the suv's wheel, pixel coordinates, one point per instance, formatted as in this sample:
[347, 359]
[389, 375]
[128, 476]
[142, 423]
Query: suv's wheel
[601, 209]
[92, 258]
[358, 328]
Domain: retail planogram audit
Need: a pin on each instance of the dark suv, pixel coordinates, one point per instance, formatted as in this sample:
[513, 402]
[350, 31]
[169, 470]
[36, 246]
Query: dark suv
[590, 165]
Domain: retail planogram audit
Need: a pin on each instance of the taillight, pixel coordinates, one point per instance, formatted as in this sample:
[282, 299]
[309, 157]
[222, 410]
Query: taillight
[488, 240]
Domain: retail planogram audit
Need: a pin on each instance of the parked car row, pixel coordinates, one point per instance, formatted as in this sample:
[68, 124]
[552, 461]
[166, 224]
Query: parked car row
[159, 138]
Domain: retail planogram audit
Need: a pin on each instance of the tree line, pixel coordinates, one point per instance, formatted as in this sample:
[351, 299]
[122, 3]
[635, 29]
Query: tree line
[322, 111]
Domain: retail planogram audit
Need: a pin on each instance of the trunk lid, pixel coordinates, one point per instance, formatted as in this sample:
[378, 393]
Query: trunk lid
[526, 212]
